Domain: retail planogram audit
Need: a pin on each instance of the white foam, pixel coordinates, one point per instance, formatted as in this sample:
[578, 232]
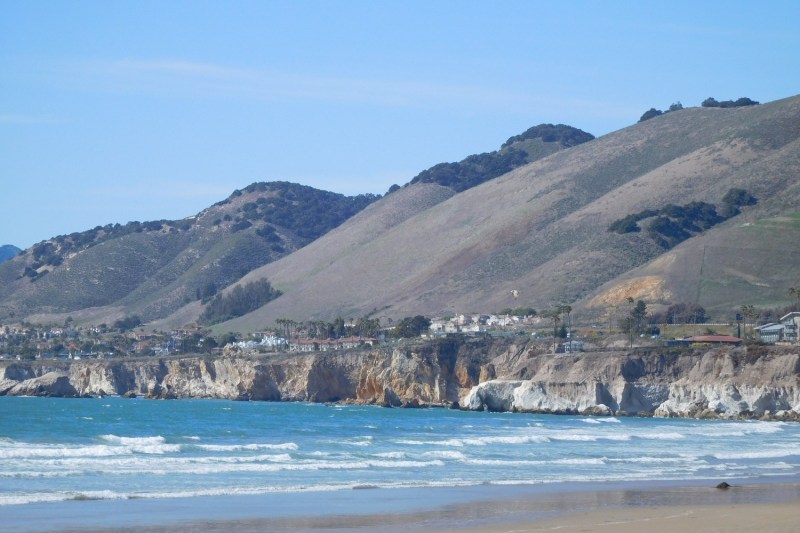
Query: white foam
[604, 420]
[445, 454]
[291, 446]
[668, 435]
[133, 441]
[764, 454]
[390, 455]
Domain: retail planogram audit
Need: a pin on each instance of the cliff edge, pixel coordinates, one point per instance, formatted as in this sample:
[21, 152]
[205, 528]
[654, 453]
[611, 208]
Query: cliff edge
[482, 374]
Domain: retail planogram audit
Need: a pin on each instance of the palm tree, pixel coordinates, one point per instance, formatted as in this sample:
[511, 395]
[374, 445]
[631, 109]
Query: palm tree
[555, 316]
[749, 312]
[566, 310]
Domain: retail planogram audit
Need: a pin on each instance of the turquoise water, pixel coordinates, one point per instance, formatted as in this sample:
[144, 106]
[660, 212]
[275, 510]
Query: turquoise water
[55, 450]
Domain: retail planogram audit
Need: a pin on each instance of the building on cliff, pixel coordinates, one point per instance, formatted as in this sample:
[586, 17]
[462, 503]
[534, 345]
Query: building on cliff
[784, 331]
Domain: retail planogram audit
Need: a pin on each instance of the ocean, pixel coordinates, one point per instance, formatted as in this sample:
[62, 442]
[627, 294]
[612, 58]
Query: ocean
[65, 457]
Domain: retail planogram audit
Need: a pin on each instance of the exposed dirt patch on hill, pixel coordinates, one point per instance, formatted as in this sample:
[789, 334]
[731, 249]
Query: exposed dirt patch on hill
[649, 289]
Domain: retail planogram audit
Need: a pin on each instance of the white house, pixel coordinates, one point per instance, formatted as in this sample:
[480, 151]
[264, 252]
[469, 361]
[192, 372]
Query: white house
[784, 331]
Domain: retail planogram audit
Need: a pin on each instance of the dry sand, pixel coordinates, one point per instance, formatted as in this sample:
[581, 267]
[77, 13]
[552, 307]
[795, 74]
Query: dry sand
[761, 518]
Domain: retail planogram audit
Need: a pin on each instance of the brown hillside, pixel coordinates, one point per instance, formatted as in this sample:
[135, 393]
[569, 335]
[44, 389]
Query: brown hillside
[541, 229]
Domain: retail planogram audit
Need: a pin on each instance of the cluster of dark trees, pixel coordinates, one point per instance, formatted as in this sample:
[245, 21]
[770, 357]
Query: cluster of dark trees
[708, 102]
[239, 301]
[673, 224]
[479, 168]
[653, 112]
[127, 323]
[518, 311]
[335, 329]
[741, 102]
[473, 170]
[363, 327]
[413, 326]
[305, 211]
[680, 313]
[565, 135]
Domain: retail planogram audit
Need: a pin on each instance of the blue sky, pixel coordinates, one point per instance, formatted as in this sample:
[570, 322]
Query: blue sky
[115, 111]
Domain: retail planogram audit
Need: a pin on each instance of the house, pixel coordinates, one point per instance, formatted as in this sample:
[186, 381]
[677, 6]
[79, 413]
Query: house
[791, 324]
[324, 345]
[786, 330]
[771, 332]
[570, 347]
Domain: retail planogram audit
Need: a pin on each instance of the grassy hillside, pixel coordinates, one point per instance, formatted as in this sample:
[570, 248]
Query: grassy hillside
[535, 236]
[151, 269]
[542, 229]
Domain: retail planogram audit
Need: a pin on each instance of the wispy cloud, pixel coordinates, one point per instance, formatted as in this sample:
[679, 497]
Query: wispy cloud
[169, 77]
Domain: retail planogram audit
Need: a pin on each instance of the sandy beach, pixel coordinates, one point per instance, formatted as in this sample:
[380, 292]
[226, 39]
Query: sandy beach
[756, 507]
[763, 518]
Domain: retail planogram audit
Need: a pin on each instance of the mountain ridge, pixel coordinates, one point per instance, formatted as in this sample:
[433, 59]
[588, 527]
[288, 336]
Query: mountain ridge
[150, 269]
[540, 231]
[535, 236]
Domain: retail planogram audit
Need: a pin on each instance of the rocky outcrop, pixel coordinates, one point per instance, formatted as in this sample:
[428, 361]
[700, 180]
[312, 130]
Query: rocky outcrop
[498, 375]
[50, 384]
[715, 383]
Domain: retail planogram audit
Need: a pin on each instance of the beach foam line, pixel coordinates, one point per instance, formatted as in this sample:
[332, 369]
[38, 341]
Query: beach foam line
[291, 446]
[763, 454]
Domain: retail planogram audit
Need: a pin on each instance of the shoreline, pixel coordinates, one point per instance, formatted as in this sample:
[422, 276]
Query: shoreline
[662, 506]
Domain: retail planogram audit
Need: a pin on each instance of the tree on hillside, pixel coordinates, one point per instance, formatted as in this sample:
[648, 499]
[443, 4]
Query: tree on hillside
[566, 310]
[412, 326]
[239, 301]
[740, 102]
[749, 313]
[734, 199]
[680, 313]
[651, 113]
[638, 314]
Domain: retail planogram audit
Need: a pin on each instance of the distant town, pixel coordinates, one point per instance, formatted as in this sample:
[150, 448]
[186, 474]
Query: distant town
[70, 342]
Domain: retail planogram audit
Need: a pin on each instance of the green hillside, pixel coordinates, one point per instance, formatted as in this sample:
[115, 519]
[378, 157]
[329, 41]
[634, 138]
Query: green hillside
[152, 268]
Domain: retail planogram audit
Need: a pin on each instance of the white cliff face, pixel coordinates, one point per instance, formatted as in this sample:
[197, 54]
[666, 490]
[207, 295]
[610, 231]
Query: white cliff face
[720, 383]
[390, 377]
[484, 375]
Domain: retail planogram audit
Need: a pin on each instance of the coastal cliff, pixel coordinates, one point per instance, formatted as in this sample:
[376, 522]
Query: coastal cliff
[499, 375]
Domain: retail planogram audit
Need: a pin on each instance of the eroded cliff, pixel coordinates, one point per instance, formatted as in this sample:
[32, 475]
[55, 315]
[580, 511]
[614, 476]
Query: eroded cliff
[482, 374]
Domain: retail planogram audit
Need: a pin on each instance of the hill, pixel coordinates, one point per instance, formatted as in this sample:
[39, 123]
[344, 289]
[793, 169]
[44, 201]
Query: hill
[151, 269]
[541, 231]
[8, 251]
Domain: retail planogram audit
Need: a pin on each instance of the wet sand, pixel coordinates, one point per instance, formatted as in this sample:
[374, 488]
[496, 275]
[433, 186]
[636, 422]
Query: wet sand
[758, 507]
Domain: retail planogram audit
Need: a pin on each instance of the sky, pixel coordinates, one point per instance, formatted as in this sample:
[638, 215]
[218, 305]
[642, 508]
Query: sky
[114, 111]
